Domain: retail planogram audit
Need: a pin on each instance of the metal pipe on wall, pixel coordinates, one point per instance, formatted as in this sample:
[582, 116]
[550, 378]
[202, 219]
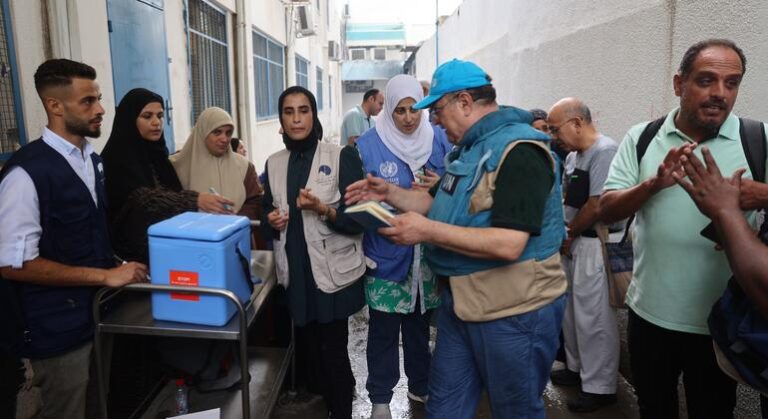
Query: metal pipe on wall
[242, 55]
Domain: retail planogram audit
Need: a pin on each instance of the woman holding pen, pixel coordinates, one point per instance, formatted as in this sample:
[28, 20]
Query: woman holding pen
[207, 164]
[318, 250]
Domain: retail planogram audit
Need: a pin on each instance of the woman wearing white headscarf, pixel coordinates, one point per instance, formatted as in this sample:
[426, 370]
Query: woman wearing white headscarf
[207, 163]
[404, 149]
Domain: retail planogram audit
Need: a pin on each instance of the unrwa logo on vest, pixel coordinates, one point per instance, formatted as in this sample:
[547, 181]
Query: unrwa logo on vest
[325, 169]
[388, 169]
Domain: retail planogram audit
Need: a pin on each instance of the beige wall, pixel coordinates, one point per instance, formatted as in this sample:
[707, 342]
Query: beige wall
[617, 55]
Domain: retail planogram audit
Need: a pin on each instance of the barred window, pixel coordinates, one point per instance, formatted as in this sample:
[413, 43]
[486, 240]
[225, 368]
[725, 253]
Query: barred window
[12, 133]
[302, 72]
[319, 92]
[209, 55]
[269, 62]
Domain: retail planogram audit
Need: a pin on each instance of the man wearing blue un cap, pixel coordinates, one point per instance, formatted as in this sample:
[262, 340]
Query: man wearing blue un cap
[492, 228]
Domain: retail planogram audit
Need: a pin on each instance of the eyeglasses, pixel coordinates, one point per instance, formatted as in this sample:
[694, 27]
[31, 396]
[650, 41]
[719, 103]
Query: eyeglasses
[554, 130]
[434, 111]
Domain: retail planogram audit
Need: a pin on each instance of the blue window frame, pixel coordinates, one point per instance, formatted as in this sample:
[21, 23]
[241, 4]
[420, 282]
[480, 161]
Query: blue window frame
[269, 63]
[302, 72]
[208, 57]
[12, 131]
[319, 93]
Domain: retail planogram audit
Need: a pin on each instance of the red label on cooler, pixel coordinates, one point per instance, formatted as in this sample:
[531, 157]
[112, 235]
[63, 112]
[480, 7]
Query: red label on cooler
[187, 279]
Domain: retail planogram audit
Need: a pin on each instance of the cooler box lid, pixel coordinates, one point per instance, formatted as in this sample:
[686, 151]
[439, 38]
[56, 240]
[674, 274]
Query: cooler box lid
[199, 226]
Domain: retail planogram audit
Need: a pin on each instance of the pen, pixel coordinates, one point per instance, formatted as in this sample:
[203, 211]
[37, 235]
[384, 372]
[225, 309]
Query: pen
[213, 191]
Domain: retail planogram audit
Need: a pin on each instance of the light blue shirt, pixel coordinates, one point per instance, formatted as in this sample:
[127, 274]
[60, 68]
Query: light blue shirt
[356, 122]
[678, 274]
[20, 229]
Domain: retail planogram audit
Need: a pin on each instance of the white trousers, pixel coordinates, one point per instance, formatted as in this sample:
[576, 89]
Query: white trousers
[589, 325]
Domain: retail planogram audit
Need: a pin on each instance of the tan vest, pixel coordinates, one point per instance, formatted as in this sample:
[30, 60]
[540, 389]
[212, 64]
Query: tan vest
[511, 289]
[337, 260]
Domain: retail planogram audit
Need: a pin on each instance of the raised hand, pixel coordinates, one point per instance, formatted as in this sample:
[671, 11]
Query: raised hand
[428, 180]
[707, 187]
[309, 202]
[369, 189]
[671, 165]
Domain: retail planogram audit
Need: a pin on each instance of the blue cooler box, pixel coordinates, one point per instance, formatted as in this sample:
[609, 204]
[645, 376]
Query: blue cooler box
[200, 250]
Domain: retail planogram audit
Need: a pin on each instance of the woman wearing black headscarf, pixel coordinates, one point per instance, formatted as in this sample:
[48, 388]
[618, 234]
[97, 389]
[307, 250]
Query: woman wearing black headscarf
[142, 186]
[304, 208]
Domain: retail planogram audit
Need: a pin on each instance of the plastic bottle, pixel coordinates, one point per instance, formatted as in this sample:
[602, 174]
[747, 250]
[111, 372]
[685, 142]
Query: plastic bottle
[182, 403]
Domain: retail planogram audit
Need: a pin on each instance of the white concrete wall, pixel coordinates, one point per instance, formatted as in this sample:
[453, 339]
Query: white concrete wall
[617, 55]
[26, 18]
[84, 46]
[269, 18]
[176, 41]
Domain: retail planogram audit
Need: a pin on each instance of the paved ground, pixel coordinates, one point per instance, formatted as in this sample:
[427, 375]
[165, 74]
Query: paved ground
[554, 397]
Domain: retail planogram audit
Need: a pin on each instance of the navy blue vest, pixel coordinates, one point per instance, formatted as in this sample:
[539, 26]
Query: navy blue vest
[75, 233]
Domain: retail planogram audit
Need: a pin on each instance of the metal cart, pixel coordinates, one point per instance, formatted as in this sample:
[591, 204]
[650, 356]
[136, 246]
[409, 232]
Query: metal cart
[267, 366]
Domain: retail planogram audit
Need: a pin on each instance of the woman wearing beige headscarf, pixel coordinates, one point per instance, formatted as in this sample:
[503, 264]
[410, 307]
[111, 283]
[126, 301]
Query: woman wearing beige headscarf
[207, 163]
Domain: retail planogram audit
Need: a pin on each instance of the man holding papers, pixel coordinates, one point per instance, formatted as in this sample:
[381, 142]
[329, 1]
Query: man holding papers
[492, 229]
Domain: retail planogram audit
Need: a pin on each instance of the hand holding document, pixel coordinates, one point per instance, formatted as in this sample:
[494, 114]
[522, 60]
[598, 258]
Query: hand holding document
[370, 214]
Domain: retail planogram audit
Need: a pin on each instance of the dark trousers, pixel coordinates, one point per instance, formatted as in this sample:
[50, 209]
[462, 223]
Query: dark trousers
[658, 356]
[11, 378]
[324, 364]
[383, 353]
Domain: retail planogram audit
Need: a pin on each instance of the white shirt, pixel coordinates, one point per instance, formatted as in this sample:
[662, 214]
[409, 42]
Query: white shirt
[20, 228]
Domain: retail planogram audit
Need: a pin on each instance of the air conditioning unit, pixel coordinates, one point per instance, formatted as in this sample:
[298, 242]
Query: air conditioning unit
[334, 51]
[305, 25]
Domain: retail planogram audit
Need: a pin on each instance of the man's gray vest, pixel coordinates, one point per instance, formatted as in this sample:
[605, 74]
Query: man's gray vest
[337, 260]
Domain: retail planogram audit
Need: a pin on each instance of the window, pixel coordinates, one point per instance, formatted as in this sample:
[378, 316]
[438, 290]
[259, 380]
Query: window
[330, 92]
[358, 54]
[209, 57]
[302, 72]
[12, 133]
[379, 54]
[319, 92]
[268, 60]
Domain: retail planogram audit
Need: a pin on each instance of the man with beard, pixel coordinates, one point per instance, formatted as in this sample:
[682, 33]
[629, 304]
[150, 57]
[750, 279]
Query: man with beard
[54, 244]
[678, 274]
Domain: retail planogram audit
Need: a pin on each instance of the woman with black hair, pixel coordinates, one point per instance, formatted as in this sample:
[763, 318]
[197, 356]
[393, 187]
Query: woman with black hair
[304, 208]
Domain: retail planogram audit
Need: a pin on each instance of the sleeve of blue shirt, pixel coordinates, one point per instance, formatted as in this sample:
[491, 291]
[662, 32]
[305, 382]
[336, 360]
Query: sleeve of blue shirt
[19, 209]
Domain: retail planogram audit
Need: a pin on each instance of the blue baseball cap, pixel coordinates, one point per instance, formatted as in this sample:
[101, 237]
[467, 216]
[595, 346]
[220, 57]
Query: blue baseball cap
[453, 76]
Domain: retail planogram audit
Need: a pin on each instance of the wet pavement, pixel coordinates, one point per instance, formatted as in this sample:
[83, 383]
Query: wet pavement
[555, 397]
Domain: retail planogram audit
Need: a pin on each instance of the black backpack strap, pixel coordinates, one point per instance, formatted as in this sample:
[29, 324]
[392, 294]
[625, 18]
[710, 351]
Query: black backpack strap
[642, 145]
[647, 136]
[753, 140]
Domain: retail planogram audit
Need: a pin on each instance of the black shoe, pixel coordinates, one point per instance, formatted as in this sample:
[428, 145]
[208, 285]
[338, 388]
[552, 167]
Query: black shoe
[589, 402]
[565, 377]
